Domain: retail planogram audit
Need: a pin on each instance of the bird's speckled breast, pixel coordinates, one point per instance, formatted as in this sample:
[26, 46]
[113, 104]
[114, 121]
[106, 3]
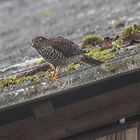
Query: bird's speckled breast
[56, 58]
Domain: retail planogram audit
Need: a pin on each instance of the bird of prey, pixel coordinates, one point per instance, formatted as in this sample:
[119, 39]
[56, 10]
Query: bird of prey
[60, 51]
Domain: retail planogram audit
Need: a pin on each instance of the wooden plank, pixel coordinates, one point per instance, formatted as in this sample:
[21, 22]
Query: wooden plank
[76, 118]
[120, 135]
[111, 136]
[118, 130]
[107, 137]
[43, 110]
[27, 129]
[104, 109]
[101, 138]
[131, 134]
[138, 130]
[107, 100]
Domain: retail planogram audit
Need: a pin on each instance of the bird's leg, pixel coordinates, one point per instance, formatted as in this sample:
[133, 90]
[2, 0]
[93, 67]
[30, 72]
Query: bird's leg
[82, 63]
[52, 67]
[56, 71]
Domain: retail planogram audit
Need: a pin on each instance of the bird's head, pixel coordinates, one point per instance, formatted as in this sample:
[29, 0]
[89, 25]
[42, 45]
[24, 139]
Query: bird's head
[38, 41]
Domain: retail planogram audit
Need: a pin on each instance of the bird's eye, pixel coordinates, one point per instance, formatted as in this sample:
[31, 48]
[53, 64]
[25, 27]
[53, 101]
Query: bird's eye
[37, 41]
[40, 39]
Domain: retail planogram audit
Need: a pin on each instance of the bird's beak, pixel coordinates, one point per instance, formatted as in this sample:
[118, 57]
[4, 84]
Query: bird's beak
[32, 44]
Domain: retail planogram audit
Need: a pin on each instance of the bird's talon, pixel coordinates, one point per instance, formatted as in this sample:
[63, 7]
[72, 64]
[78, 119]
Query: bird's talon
[55, 78]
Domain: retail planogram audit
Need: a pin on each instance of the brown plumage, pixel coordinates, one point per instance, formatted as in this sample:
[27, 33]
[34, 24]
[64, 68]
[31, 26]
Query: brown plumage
[60, 51]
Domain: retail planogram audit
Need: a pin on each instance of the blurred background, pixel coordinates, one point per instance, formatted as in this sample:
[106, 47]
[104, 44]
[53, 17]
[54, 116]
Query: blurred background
[21, 20]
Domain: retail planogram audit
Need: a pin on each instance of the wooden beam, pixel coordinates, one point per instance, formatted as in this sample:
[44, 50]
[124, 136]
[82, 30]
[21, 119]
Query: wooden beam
[42, 110]
[100, 110]
[129, 134]
[58, 123]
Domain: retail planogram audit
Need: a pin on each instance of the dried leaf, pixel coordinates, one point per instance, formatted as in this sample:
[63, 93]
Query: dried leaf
[106, 43]
[130, 40]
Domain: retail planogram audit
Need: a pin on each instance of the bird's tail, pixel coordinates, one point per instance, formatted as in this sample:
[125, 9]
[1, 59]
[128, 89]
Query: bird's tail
[91, 61]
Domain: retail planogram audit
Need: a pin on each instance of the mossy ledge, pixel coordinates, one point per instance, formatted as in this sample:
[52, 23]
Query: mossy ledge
[130, 30]
[103, 55]
[36, 78]
[91, 40]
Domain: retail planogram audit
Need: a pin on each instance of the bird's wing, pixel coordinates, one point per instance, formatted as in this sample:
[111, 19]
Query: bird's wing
[67, 47]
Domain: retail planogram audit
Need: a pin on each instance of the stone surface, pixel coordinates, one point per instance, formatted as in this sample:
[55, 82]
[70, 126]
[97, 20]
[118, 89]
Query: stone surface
[20, 93]
[21, 20]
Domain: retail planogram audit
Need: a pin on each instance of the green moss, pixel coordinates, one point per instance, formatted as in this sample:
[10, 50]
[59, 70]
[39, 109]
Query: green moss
[73, 67]
[125, 33]
[42, 61]
[34, 79]
[12, 80]
[70, 68]
[130, 30]
[46, 13]
[49, 74]
[119, 24]
[136, 28]
[103, 55]
[39, 62]
[46, 75]
[113, 68]
[92, 40]
[117, 44]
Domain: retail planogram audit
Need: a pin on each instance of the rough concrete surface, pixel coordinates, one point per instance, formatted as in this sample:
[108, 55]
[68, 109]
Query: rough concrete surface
[21, 20]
